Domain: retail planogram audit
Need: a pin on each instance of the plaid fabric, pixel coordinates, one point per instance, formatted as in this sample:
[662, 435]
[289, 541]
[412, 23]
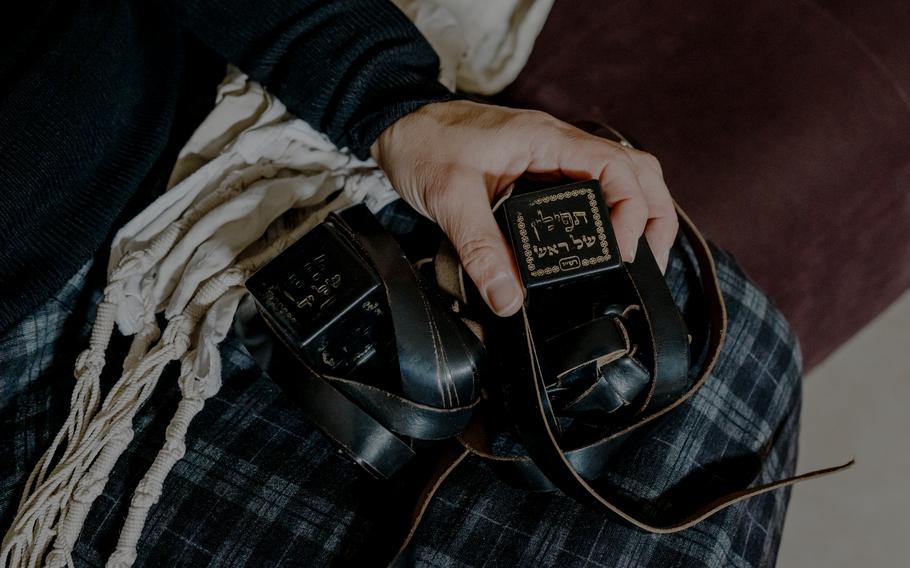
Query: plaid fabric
[260, 486]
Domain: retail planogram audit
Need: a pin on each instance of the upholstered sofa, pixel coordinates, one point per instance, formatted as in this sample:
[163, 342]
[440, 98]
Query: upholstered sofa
[783, 129]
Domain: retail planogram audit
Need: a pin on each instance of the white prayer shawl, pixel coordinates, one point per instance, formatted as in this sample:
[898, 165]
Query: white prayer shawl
[250, 181]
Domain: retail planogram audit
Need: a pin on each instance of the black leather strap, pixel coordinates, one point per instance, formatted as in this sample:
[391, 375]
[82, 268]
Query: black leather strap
[669, 340]
[542, 440]
[438, 358]
[437, 355]
[405, 416]
[601, 338]
[555, 460]
[632, 363]
[550, 464]
[366, 440]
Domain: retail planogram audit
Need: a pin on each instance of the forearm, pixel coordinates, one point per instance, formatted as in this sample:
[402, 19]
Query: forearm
[349, 68]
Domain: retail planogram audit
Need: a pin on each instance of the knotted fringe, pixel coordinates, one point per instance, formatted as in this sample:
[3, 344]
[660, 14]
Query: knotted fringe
[60, 492]
[240, 179]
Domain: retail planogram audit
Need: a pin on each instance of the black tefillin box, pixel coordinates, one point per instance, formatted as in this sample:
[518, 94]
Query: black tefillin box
[560, 234]
[325, 298]
[327, 301]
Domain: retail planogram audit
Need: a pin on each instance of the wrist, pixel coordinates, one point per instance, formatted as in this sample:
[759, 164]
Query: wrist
[415, 125]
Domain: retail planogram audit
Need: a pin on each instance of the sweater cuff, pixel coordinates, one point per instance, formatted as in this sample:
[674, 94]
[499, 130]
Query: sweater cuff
[365, 131]
[349, 68]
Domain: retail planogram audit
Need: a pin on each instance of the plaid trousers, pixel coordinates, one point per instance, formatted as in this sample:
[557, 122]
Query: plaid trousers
[260, 486]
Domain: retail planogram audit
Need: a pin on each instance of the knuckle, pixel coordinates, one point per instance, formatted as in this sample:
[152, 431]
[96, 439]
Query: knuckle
[632, 214]
[651, 161]
[437, 191]
[640, 210]
[673, 224]
[620, 157]
[636, 209]
[529, 122]
[477, 254]
[576, 136]
[631, 161]
[664, 209]
[539, 116]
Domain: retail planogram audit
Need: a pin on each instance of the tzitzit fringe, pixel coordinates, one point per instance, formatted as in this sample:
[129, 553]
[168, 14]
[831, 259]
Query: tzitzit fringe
[59, 492]
[75, 469]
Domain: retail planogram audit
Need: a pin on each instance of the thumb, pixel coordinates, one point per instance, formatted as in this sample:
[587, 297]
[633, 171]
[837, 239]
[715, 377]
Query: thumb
[468, 221]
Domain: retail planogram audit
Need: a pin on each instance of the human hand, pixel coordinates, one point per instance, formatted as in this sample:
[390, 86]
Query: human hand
[451, 160]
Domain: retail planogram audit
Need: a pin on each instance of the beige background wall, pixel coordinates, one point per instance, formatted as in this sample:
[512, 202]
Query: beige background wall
[857, 403]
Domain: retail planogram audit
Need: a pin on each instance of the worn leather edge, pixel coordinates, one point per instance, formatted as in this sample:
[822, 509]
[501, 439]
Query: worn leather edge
[718, 327]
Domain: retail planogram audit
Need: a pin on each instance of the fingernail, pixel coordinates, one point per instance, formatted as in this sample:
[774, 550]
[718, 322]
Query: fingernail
[663, 261]
[633, 248]
[503, 294]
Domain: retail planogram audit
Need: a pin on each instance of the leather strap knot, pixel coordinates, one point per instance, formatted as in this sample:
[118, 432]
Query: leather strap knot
[572, 390]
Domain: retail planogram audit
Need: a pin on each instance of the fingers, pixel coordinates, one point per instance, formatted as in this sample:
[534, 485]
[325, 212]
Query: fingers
[628, 209]
[464, 214]
[632, 183]
[450, 159]
[663, 223]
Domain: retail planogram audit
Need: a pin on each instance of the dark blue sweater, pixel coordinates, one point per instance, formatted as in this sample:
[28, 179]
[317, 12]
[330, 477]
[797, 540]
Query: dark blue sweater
[96, 99]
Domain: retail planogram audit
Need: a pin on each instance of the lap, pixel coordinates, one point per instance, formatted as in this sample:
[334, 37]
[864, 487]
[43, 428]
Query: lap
[259, 485]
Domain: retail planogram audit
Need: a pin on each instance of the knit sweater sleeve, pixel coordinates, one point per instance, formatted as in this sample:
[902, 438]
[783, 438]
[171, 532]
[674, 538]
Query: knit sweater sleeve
[350, 68]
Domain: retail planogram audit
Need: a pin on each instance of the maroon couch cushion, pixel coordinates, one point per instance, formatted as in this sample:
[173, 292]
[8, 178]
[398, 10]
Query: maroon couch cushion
[783, 129]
